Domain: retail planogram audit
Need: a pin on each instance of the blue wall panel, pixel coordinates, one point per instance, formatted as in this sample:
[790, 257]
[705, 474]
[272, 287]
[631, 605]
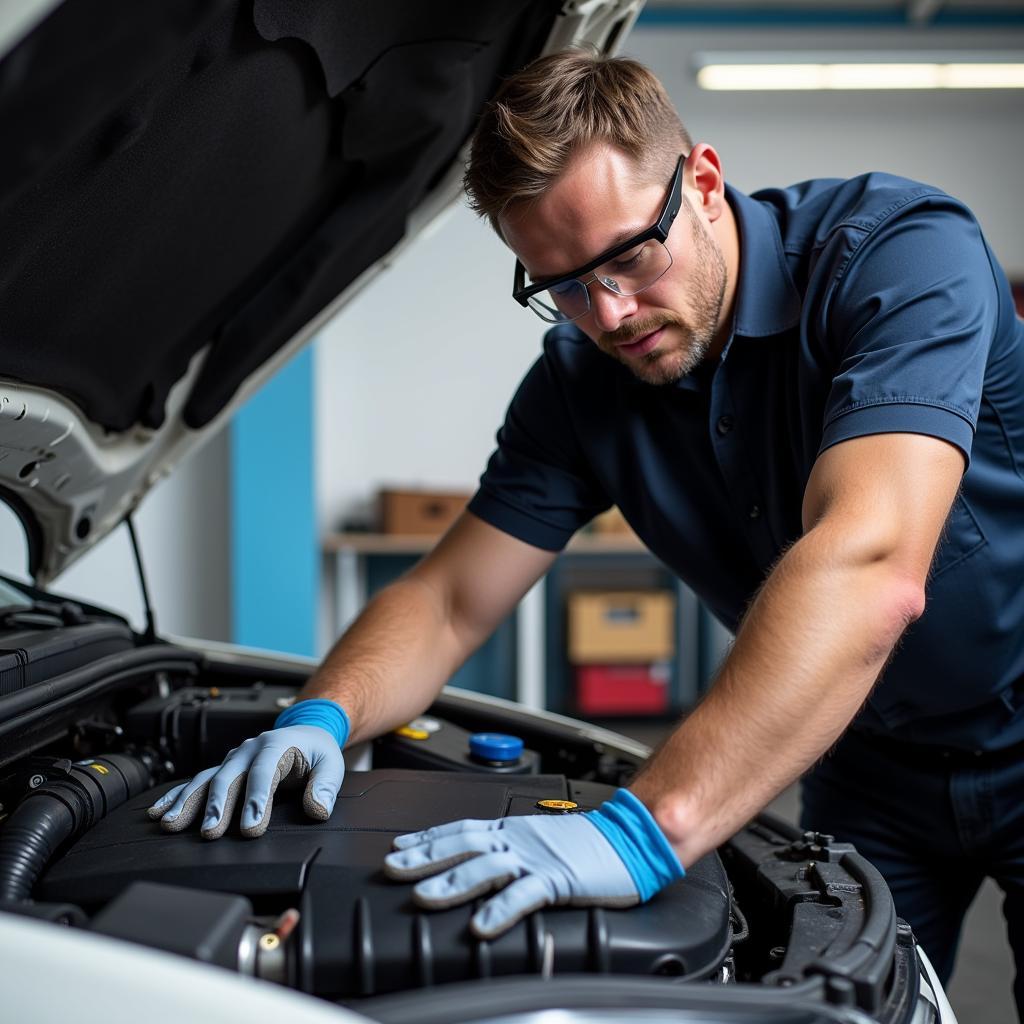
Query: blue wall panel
[273, 536]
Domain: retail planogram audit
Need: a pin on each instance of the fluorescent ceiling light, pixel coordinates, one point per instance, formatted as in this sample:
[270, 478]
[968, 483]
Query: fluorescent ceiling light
[759, 72]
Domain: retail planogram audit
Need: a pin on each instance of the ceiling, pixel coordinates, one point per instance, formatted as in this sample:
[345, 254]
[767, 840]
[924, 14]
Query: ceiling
[979, 13]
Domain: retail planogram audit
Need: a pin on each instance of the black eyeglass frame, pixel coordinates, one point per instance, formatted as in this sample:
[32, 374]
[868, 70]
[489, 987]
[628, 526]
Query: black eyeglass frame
[660, 229]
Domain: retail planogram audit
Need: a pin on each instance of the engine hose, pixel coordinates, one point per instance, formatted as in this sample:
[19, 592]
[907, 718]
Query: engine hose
[28, 842]
[71, 800]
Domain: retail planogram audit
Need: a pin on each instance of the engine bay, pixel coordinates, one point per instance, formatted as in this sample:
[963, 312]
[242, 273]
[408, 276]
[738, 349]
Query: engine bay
[774, 914]
[360, 933]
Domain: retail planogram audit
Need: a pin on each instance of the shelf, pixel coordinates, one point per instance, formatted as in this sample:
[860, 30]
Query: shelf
[378, 543]
[406, 544]
[525, 658]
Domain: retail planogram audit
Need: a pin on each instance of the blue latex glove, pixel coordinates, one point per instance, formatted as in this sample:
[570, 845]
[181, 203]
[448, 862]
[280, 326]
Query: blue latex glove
[616, 856]
[306, 741]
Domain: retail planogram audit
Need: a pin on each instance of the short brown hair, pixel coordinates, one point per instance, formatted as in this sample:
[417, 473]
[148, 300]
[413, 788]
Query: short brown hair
[554, 107]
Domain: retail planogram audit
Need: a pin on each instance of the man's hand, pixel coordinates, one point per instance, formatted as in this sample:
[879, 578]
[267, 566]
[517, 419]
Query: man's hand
[613, 857]
[305, 741]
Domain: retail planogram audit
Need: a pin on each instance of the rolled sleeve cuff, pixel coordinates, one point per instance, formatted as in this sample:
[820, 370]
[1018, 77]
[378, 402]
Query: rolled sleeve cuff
[522, 525]
[900, 417]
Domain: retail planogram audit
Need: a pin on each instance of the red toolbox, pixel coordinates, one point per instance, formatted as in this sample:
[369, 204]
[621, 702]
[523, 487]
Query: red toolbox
[623, 689]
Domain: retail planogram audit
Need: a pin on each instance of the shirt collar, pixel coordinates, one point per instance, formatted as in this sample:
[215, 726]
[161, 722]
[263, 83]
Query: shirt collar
[767, 301]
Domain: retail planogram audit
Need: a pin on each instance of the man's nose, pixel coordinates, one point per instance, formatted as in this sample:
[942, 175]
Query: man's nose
[610, 308]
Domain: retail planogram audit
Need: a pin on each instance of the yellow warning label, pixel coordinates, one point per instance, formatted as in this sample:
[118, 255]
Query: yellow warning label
[412, 734]
[99, 768]
[557, 805]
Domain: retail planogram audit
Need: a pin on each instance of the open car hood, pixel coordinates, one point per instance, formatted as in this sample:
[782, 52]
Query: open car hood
[190, 189]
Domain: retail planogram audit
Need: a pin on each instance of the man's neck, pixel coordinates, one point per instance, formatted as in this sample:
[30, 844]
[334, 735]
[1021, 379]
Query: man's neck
[728, 237]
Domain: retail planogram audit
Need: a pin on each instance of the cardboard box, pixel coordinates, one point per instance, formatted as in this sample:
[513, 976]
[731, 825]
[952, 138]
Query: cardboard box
[621, 626]
[622, 689]
[419, 512]
[611, 523]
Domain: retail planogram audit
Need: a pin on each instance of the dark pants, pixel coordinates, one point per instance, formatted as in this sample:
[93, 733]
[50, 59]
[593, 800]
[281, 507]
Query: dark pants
[935, 824]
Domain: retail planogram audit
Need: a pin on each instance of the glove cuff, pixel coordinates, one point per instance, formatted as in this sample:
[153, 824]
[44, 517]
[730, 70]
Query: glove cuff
[636, 837]
[327, 714]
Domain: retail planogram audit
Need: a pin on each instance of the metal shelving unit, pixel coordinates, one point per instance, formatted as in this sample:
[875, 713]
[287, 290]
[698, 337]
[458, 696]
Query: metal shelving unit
[528, 651]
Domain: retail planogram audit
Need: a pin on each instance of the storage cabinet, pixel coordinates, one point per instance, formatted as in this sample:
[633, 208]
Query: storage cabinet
[527, 658]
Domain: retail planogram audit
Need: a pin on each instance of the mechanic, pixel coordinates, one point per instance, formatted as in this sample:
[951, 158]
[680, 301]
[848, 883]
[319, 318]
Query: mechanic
[809, 403]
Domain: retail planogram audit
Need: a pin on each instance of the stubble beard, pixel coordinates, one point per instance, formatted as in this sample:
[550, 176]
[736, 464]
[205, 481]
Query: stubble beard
[670, 362]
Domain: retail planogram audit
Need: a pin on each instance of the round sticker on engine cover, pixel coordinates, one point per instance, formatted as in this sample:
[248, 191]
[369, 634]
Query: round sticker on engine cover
[557, 805]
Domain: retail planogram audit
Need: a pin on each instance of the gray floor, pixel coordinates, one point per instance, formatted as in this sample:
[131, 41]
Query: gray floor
[980, 990]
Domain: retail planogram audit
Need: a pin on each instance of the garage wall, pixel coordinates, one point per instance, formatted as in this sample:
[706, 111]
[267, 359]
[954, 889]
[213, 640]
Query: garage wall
[183, 533]
[411, 381]
[413, 378]
[967, 142]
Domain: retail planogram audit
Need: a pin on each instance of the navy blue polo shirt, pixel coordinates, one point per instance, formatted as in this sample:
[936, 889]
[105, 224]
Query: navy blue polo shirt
[865, 306]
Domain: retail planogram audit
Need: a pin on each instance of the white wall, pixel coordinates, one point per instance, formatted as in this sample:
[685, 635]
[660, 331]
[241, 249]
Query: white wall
[968, 142]
[183, 532]
[414, 376]
[412, 379]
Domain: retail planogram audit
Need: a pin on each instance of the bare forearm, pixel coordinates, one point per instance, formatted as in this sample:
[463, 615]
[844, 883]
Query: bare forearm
[392, 661]
[413, 635]
[812, 646]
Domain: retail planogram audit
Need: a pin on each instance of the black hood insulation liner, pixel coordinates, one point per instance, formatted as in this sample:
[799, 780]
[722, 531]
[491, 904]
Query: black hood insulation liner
[220, 172]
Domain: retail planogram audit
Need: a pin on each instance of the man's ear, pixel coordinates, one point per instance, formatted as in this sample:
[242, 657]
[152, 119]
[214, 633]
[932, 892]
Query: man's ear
[705, 181]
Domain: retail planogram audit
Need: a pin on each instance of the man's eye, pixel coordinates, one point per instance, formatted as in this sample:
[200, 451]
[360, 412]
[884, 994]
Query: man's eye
[563, 287]
[629, 260]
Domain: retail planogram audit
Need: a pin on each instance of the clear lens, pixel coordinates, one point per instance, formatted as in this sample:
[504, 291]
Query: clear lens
[633, 271]
[629, 273]
[566, 300]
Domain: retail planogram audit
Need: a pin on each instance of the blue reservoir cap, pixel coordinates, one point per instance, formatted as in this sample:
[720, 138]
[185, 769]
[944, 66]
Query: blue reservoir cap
[495, 746]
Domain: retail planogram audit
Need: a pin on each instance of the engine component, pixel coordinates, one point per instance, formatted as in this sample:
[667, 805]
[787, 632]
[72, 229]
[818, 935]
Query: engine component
[360, 934]
[64, 801]
[39, 644]
[207, 926]
[434, 743]
[198, 725]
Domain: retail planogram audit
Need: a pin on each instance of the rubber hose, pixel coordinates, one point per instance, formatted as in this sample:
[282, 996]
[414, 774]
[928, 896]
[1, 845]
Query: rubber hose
[74, 798]
[28, 841]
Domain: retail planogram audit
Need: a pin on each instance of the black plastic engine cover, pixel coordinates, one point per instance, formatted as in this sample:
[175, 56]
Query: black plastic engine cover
[360, 934]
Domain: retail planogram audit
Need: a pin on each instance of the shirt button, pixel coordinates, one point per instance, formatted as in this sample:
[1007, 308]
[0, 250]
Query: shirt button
[724, 425]
[754, 511]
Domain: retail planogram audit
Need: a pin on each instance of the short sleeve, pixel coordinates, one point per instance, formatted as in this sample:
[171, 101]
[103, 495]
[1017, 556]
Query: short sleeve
[538, 486]
[912, 321]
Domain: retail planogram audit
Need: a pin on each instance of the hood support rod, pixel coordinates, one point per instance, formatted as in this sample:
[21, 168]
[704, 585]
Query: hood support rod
[150, 620]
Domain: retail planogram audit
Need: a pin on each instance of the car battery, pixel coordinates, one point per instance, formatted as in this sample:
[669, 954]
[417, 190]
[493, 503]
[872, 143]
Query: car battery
[200, 724]
[433, 743]
[360, 934]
